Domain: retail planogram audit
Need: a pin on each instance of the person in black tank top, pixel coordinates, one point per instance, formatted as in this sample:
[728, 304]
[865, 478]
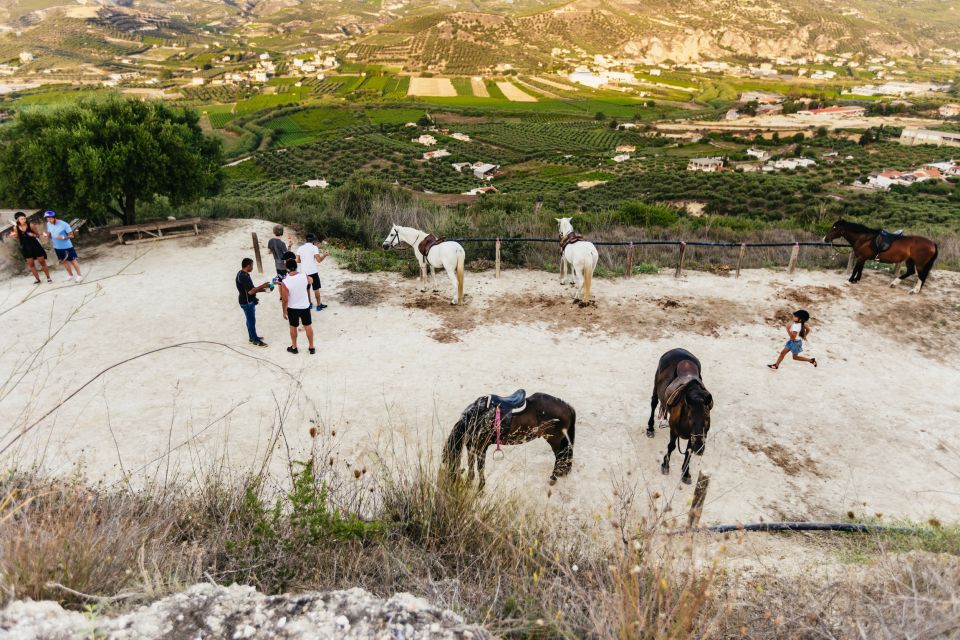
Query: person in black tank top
[30, 247]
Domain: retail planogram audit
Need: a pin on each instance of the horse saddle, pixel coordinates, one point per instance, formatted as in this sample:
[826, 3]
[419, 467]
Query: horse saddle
[515, 402]
[885, 240]
[429, 243]
[571, 238]
[674, 391]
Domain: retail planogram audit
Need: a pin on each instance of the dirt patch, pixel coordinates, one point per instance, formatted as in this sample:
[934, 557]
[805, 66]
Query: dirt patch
[454, 319]
[479, 88]
[360, 293]
[792, 464]
[811, 296]
[513, 93]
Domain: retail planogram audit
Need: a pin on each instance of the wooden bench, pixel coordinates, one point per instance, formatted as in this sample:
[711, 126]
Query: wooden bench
[150, 231]
[76, 224]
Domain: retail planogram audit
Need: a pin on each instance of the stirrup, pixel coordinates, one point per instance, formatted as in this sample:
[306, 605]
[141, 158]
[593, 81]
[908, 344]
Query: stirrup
[495, 457]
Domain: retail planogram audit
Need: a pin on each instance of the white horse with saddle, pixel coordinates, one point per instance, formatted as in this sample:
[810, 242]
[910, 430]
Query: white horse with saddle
[432, 252]
[580, 255]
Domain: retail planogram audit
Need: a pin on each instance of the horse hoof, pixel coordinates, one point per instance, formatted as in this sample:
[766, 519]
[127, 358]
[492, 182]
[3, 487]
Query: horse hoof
[650, 433]
[664, 469]
[553, 480]
[686, 480]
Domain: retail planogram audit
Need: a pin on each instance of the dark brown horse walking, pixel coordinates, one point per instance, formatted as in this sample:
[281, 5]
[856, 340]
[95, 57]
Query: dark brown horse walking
[683, 399]
[867, 244]
[523, 418]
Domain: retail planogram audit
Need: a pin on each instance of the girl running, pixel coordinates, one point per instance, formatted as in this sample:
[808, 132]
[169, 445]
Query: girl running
[797, 330]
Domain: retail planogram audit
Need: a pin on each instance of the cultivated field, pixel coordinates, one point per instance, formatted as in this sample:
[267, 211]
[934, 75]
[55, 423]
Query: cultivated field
[172, 383]
[479, 87]
[514, 93]
[436, 87]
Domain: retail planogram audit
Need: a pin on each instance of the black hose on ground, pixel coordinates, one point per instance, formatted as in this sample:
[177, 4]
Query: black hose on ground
[844, 527]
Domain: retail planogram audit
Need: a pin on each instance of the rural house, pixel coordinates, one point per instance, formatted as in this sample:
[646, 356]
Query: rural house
[622, 157]
[705, 164]
[911, 136]
[759, 154]
[840, 112]
[462, 137]
[426, 140]
[761, 97]
[485, 171]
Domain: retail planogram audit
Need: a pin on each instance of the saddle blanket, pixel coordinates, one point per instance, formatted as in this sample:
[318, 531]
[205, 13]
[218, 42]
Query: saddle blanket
[429, 243]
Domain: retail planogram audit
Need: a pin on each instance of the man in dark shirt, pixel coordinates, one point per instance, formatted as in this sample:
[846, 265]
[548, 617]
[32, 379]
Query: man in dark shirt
[278, 248]
[248, 299]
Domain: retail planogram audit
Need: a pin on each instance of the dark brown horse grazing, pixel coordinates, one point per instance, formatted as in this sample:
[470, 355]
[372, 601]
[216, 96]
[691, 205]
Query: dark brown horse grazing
[537, 416]
[679, 389]
[918, 252]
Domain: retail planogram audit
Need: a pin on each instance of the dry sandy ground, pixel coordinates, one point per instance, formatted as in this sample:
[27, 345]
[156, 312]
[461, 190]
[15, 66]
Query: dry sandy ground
[441, 87]
[873, 430]
[479, 88]
[513, 93]
[556, 85]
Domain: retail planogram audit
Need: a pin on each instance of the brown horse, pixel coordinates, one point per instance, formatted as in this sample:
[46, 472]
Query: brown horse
[918, 252]
[679, 389]
[522, 419]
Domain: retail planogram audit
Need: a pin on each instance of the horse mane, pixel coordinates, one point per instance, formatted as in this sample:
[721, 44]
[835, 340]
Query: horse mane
[857, 227]
[697, 394]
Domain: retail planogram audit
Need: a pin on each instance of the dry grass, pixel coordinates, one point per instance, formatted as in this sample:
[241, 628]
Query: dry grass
[498, 561]
[357, 293]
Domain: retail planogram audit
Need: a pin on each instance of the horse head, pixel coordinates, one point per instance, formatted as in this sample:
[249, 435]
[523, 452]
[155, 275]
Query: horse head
[565, 226]
[698, 402]
[393, 238]
[836, 231]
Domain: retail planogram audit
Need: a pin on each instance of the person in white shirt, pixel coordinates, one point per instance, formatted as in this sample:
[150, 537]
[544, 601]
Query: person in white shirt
[310, 257]
[797, 330]
[295, 300]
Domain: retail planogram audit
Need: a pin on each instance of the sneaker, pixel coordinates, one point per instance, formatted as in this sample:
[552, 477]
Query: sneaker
[49, 280]
[293, 350]
[67, 278]
[78, 279]
[260, 343]
[321, 307]
[312, 350]
[37, 281]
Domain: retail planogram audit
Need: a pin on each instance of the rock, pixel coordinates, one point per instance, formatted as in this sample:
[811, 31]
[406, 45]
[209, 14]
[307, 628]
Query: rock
[206, 610]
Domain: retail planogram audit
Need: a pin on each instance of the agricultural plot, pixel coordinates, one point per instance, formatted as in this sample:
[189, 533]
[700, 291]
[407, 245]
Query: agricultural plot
[478, 88]
[396, 88]
[538, 137]
[513, 93]
[462, 86]
[219, 115]
[436, 87]
[385, 115]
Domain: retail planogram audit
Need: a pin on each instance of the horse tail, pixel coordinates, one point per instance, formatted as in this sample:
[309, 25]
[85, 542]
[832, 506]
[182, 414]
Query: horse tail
[587, 279]
[453, 450]
[460, 257]
[925, 271]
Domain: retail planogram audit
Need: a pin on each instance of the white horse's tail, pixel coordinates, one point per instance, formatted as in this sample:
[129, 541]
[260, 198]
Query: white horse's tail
[587, 280]
[460, 257]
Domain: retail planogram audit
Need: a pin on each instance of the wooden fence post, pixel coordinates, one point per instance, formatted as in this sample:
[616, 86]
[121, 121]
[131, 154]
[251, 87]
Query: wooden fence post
[743, 250]
[256, 252]
[683, 253]
[699, 496]
[628, 272]
[497, 262]
[794, 254]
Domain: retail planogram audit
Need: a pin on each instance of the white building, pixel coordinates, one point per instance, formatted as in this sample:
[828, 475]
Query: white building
[460, 136]
[316, 184]
[911, 136]
[710, 165]
[26, 56]
[788, 164]
[426, 140]
[623, 157]
[759, 154]
[438, 153]
[197, 81]
[949, 110]
[485, 170]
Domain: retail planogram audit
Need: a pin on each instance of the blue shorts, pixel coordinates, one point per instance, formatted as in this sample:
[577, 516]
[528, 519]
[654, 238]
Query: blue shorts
[66, 255]
[795, 346]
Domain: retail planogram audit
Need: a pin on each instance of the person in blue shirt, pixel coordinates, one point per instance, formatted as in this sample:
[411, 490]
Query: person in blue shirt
[61, 237]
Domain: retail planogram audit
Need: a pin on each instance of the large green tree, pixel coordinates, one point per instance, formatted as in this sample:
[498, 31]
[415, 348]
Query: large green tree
[102, 156]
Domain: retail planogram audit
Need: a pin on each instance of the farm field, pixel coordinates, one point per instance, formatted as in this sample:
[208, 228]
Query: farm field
[432, 87]
[768, 459]
[479, 88]
[514, 93]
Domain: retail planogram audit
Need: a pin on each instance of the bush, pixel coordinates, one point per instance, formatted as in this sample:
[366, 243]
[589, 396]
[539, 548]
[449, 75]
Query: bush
[648, 215]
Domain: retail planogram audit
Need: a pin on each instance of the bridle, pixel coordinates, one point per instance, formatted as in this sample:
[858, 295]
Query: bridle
[394, 237]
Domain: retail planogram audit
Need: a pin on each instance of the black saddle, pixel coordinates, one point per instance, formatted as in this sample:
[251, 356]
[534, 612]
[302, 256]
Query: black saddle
[885, 239]
[513, 402]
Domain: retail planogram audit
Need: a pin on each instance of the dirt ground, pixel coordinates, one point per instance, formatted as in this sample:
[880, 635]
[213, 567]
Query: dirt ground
[514, 93]
[93, 378]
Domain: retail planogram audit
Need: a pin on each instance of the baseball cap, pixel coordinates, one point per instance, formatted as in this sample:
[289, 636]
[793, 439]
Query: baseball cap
[49, 214]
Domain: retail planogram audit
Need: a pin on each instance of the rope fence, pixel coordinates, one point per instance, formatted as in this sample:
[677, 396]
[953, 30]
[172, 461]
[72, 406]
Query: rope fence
[681, 244]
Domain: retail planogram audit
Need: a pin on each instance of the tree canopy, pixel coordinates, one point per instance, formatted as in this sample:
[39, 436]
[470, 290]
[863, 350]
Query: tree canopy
[102, 156]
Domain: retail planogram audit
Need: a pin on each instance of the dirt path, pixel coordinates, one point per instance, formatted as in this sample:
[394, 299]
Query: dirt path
[873, 430]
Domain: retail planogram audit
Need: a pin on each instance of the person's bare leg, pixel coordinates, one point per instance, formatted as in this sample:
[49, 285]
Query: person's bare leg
[293, 337]
[76, 267]
[43, 265]
[66, 265]
[803, 359]
[783, 354]
[309, 330]
[33, 269]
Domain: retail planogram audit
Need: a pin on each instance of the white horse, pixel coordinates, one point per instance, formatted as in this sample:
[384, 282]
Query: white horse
[582, 257]
[448, 254]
